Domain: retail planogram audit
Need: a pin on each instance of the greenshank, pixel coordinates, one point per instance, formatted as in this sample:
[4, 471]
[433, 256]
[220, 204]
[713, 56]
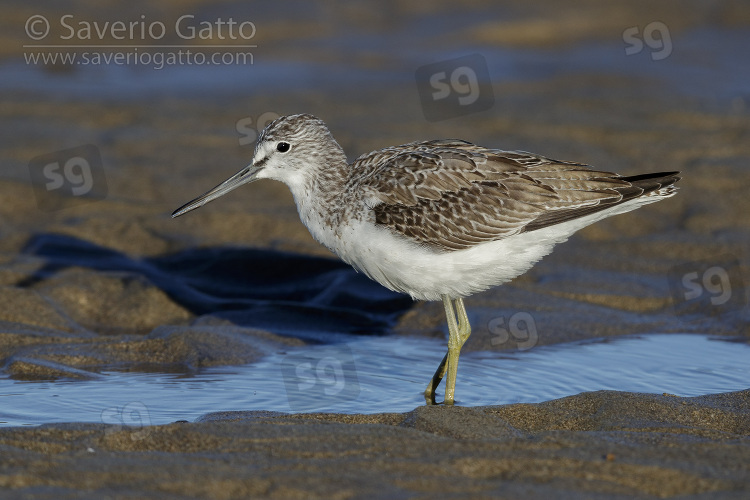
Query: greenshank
[438, 220]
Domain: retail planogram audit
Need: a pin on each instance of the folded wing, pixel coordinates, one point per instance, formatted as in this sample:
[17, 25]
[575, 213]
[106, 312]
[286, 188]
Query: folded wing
[454, 195]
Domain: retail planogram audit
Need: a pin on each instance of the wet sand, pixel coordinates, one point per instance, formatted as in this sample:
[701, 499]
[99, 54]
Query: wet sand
[116, 284]
[594, 445]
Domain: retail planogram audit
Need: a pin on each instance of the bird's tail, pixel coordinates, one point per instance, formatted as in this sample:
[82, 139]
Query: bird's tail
[654, 184]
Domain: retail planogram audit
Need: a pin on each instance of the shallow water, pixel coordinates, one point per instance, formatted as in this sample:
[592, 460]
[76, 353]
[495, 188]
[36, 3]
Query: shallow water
[386, 374]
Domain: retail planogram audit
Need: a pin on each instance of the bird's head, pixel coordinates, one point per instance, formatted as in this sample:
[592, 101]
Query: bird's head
[287, 150]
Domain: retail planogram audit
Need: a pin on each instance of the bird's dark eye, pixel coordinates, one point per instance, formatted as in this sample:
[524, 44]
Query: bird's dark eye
[282, 147]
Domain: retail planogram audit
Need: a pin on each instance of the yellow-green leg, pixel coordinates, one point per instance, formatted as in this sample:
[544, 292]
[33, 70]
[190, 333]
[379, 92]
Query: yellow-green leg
[429, 393]
[459, 330]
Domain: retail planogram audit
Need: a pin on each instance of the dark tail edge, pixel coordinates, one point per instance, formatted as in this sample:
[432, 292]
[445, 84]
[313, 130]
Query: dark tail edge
[653, 181]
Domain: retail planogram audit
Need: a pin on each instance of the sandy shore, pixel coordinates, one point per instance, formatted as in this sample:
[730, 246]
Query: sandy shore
[594, 445]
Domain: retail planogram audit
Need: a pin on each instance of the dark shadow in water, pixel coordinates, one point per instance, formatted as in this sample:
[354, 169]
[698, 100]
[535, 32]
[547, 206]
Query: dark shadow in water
[284, 293]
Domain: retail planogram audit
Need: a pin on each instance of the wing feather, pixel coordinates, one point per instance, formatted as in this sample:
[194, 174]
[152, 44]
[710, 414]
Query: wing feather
[452, 194]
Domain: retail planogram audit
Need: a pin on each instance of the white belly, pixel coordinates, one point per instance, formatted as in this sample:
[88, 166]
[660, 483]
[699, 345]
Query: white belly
[424, 273]
[401, 265]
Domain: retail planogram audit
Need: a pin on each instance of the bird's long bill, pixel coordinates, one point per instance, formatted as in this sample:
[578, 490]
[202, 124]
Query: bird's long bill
[247, 174]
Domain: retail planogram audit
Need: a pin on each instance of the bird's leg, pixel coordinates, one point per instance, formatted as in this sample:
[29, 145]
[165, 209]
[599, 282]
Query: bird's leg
[464, 328]
[429, 393]
[458, 332]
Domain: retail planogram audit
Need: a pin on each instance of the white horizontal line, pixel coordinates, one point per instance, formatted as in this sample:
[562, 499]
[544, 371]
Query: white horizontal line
[139, 46]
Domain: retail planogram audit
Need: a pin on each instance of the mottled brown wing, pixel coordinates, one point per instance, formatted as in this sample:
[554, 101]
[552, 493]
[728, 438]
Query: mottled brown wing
[454, 195]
